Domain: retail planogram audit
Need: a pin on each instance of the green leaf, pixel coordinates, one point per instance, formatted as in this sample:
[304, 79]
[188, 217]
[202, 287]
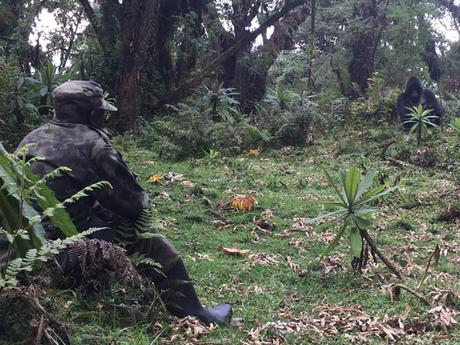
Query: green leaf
[356, 242]
[47, 200]
[377, 195]
[44, 91]
[331, 182]
[351, 184]
[326, 215]
[336, 240]
[363, 223]
[365, 184]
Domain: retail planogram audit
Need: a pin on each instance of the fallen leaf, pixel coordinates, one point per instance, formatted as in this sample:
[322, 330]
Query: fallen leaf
[233, 251]
[171, 176]
[243, 202]
[263, 259]
[254, 152]
[188, 184]
[155, 178]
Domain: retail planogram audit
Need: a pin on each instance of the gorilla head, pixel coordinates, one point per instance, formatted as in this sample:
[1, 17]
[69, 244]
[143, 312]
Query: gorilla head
[414, 89]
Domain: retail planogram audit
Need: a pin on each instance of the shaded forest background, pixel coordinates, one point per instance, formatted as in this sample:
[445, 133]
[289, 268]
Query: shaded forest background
[277, 68]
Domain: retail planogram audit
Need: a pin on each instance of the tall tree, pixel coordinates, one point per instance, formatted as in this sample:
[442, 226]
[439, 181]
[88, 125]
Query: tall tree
[135, 37]
[244, 66]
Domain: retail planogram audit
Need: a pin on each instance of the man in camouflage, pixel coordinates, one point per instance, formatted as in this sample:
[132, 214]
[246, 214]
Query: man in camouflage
[74, 139]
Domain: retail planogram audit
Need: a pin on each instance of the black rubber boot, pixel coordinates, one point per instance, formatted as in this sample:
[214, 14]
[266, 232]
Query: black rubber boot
[181, 300]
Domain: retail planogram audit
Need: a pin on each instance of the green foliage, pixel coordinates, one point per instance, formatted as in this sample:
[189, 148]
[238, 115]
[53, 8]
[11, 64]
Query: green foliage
[288, 116]
[381, 101]
[420, 121]
[455, 125]
[48, 78]
[34, 256]
[220, 103]
[378, 106]
[25, 201]
[211, 156]
[281, 97]
[354, 213]
[208, 120]
[8, 76]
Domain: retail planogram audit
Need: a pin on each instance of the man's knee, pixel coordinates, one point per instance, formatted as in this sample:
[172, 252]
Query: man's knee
[157, 248]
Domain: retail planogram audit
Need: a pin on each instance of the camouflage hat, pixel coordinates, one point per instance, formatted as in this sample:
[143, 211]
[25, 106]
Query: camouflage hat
[83, 93]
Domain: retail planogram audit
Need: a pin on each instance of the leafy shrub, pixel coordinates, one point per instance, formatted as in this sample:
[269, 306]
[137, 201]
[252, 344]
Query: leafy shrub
[295, 130]
[208, 120]
[339, 111]
[17, 105]
[25, 99]
[172, 139]
[289, 117]
[455, 125]
[379, 105]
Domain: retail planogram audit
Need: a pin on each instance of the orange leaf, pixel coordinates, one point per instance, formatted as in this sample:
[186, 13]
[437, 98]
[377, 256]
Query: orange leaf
[254, 152]
[233, 251]
[155, 178]
[243, 202]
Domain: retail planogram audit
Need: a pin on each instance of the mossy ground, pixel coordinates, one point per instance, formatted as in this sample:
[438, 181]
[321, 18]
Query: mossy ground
[286, 282]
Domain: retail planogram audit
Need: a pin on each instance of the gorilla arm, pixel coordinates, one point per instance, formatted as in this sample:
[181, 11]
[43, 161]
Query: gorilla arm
[432, 103]
[401, 106]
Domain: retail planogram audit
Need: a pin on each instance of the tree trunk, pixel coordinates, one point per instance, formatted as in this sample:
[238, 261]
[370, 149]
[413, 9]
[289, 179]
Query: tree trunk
[312, 46]
[137, 60]
[251, 68]
[361, 65]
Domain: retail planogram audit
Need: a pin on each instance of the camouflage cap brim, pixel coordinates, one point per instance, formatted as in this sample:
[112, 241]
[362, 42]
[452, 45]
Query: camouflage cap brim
[107, 106]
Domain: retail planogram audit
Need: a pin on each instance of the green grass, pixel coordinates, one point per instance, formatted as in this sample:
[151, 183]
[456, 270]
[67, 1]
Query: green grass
[286, 187]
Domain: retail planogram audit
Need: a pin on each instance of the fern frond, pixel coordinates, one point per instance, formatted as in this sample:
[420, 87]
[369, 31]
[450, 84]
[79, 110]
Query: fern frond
[34, 256]
[86, 191]
[53, 174]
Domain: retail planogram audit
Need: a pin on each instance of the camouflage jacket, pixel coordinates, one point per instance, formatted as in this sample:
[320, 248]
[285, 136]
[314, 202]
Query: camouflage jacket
[90, 156]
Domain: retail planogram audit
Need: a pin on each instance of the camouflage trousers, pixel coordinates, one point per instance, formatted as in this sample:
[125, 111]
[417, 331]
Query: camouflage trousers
[137, 237]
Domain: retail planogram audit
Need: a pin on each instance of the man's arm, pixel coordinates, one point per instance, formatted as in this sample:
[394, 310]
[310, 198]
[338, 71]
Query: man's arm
[126, 198]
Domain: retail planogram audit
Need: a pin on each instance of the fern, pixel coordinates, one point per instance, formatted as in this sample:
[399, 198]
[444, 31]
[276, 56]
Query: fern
[86, 191]
[141, 259]
[52, 175]
[130, 231]
[94, 264]
[34, 256]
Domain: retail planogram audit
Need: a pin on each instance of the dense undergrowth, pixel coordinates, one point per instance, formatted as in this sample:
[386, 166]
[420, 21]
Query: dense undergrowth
[281, 292]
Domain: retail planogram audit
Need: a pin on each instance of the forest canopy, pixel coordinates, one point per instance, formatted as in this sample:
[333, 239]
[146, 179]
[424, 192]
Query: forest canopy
[148, 54]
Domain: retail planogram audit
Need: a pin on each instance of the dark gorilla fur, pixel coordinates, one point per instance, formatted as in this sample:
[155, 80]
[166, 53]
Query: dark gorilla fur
[414, 95]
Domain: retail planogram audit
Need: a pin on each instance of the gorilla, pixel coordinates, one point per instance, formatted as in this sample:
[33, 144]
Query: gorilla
[414, 95]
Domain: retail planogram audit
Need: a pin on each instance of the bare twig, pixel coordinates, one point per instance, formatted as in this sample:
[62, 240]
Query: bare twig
[397, 162]
[435, 255]
[412, 291]
[385, 148]
[38, 339]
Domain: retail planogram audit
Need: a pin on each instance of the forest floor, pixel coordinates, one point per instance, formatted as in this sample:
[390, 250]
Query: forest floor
[281, 292]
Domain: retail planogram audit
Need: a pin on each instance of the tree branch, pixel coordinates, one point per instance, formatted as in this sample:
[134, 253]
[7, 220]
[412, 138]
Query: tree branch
[246, 39]
[89, 12]
[374, 248]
